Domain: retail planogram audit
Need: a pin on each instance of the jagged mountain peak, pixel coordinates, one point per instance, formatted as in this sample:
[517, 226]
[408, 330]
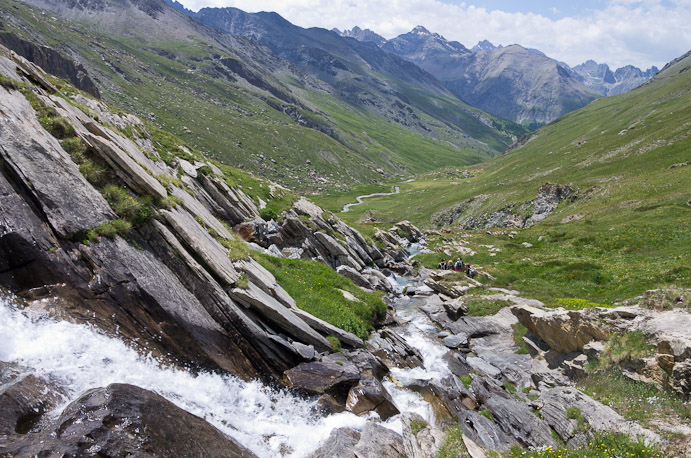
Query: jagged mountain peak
[359, 34]
[484, 45]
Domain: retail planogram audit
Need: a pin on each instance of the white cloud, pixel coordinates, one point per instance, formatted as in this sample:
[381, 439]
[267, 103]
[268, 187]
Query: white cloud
[637, 32]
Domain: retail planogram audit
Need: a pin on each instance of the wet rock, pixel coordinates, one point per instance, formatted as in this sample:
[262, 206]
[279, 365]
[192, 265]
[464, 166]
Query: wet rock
[368, 364]
[355, 276]
[378, 280]
[124, 420]
[379, 442]
[420, 439]
[454, 395]
[340, 444]
[331, 372]
[369, 395]
[393, 350]
[24, 401]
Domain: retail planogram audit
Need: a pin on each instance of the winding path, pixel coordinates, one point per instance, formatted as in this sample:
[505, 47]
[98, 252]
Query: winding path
[360, 199]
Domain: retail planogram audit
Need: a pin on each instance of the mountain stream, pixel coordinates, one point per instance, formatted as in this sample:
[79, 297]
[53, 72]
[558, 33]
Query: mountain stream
[81, 357]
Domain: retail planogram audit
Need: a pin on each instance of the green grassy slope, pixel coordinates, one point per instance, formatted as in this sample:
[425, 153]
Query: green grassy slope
[181, 85]
[630, 226]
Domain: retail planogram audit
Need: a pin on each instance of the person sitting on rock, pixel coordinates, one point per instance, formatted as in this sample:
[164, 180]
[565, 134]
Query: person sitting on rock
[442, 265]
[459, 266]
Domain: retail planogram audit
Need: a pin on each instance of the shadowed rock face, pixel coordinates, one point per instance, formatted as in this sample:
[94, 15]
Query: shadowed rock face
[124, 420]
[52, 62]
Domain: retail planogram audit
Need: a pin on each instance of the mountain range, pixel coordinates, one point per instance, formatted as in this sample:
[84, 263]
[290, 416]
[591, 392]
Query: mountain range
[513, 82]
[336, 113]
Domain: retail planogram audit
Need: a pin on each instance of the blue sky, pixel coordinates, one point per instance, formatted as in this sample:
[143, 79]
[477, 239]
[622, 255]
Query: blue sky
[616, 32]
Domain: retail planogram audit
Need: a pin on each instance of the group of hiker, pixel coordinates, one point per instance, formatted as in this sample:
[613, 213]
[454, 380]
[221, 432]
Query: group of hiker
[458, 266]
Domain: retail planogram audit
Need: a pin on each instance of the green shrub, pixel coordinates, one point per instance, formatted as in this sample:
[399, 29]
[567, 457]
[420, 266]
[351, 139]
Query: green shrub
[121, 226]
[205, 170]
[578, 304]
[75, 147]
[93, 172]
[58, 127]
[467, 380]
[622, 347]
[335, 343]
[519, 331]
[243, 282]
[237, 249]
[267, 214]
[135, 210]
[487, 414]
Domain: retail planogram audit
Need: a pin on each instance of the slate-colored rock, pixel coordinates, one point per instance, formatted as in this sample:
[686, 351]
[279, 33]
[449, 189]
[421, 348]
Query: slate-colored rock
[41, 168]
[393, 350]
[564, 331]
[124, 420]
[339, 444]
[333, 372]
[377, 441]
[369, 395]
[598, 416]
[513, 416]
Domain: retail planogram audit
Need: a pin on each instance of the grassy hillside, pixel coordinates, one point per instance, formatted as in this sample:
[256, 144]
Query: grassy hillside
[241, 105]
[629, 227]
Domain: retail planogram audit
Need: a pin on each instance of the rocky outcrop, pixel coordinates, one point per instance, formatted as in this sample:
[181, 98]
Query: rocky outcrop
[172, 287]
[122, 420]
[564, 331]
[52, 62]
[470, 215]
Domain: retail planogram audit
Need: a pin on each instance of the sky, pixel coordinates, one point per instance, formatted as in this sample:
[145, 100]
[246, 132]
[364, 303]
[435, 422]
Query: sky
[616, 32]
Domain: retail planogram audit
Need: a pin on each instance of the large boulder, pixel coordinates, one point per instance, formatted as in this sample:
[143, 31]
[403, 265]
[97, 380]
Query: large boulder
[369, 395]
[332, 372]
[564, 331]
[124, 420]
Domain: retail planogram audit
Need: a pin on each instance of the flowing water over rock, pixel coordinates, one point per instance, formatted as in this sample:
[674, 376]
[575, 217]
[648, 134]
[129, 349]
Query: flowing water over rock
[80, 358]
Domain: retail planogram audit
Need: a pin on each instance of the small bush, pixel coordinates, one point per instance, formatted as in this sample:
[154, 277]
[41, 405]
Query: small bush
[519, 331]
[75, 147]
[205, 170]
[243, 281]
[467, 380]
[623, 347]
[237, 249]
[93, 172]
[267, 214]
[127, 207]
[335, 343]
[121, 226]
[58, 127]
[487, 414]
[573, 303]
[453, 446]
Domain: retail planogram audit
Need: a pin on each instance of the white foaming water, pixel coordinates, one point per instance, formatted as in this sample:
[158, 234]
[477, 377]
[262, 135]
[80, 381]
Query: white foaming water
[80, 357]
